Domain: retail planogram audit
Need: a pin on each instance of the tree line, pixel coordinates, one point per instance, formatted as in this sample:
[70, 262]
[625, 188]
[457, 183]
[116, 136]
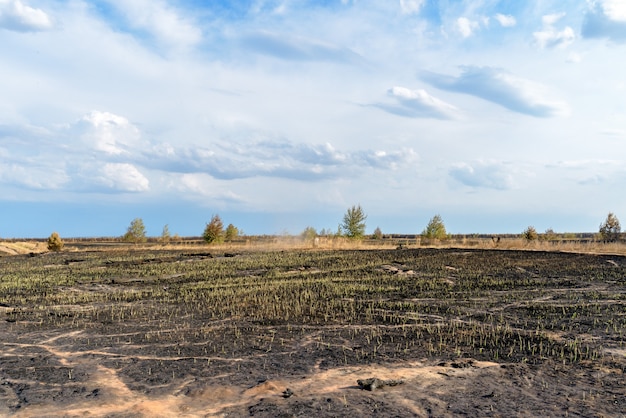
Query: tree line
[353, 226]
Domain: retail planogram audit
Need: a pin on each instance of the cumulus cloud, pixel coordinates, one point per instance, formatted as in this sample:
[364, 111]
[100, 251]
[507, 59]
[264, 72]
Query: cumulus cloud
[411, 6]
[489, 175]
[297, 49]
[417, 104]
[506, 21]
[605, 19]
[122, 177]
[550, 36]
[500, 87]
[108, 133]
[16, 16]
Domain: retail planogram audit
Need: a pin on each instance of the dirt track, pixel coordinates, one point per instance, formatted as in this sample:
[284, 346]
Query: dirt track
[57, 360]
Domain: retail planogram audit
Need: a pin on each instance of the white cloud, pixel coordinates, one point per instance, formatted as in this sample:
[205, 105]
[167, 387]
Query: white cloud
[501, 87]
[294, 48]
[605, 19]
[614, 9]
[159, 19]
[273, 159]
[109, 133]
[202, 186]
[411, 6]
[466, 27]
[418, 103]
[123, 177]
[36, 175]
[551, 19]
[550, 37]
[506, 21]
[481, 174]
[16, 16]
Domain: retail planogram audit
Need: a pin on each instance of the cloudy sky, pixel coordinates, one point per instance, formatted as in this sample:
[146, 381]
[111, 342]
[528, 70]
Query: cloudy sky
[281, 114]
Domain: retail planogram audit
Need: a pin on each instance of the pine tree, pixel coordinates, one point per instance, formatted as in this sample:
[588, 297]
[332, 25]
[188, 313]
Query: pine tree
[610, 229]
[232, 232]
[214, 231]
[136, 232]
[435, 228]
[353, 225]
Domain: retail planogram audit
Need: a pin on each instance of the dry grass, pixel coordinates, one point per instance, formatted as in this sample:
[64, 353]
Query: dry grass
[288, 243]
[15, 248]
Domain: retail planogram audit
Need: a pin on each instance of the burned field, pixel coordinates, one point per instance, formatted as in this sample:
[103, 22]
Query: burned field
[197, 333]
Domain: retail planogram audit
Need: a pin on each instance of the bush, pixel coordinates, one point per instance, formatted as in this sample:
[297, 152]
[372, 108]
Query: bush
[353, 225]
[530, 234]
[136, 232]
[549, 235]
[214, 231]
[378, 234]
[435, 229]
[55, 243]
[610, 229]
[309, 233]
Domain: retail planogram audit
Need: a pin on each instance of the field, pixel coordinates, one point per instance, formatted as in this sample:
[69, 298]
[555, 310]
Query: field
[206, 332]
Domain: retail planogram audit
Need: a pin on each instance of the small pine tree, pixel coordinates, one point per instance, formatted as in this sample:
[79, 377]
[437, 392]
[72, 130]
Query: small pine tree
[55, 243]
[214, 231]
[231, 233]
[435, 229]
[530, 234]
[165, 235]
[378, 234]
[610, 229]
[353, 225]
[136, 232]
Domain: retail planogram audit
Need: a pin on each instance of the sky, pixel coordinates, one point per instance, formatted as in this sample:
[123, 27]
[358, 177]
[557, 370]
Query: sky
[282, 114]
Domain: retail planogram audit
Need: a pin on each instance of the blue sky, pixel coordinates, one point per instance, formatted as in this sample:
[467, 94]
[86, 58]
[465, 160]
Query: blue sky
[281, 114]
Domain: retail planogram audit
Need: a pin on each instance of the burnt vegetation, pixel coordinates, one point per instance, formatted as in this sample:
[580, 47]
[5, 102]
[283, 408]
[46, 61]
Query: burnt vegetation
[158, 316]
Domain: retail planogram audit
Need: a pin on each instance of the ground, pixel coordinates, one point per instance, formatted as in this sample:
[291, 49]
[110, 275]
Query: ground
[145, 333]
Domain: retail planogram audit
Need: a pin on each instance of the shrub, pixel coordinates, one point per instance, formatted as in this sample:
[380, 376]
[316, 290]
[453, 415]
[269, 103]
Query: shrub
[136, 232]
[353, 225]
[309, 233]
[378, 234]
[55, 243]
[530, 234]
[549, 235]
[435, 229]
[214, 231]
[610, 229]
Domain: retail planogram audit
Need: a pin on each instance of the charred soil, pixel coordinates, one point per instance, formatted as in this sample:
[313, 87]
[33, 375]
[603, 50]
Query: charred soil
[283, 334]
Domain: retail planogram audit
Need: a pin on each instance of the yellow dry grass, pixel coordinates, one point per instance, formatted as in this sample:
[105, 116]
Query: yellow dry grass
[287, 243]
[26, 247]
